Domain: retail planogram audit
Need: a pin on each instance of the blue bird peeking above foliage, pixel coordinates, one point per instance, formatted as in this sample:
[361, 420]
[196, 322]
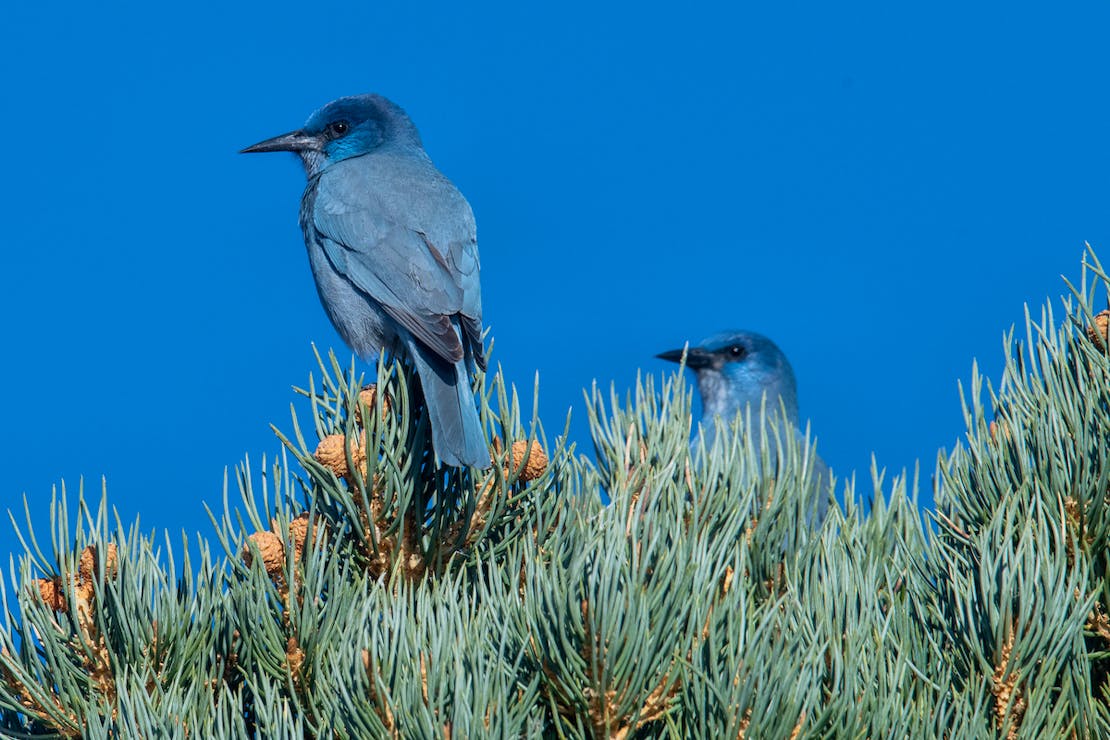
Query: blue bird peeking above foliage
[392, 245]
[735, 370]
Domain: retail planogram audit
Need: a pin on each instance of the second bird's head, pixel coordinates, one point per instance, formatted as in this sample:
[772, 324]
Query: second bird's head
[737, 367]
[344, 128]
[739, 354]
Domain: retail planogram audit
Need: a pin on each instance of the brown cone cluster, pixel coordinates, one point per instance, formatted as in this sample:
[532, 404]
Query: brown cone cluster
[332, 450]
[271, 546]
[90, 648]
[386, 544]
[534, 467]
[52, 590]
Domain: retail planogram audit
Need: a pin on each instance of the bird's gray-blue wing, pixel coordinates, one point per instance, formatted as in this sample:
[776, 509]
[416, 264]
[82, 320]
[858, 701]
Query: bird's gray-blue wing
[416, 271]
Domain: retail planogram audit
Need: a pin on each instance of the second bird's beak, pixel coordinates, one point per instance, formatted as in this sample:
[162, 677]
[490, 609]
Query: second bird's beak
[294, 141]
[695, 357]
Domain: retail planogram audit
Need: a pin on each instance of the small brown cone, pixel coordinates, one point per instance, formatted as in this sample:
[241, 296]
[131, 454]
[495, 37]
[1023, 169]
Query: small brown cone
[1100, 332]
[366, 397]
[270, 549]
[537, 460]
[52, 593]
[87, 568]
[298, 531]
[330, 454]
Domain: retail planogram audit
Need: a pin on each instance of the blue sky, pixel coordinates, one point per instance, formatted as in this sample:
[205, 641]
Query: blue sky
[878, 187]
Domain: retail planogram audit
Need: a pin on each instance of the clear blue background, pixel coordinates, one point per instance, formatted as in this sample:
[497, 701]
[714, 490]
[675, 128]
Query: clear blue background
[878, 187]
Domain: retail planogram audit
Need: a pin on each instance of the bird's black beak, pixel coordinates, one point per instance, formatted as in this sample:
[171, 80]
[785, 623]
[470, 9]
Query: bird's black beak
[294, 141]
[696, 358]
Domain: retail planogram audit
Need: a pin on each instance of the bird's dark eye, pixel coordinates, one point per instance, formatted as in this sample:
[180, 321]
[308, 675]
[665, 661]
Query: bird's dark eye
[337, 129]
[736, 351]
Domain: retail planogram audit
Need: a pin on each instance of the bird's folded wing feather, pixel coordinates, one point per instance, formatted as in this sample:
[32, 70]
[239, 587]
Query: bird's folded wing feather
[420, 284]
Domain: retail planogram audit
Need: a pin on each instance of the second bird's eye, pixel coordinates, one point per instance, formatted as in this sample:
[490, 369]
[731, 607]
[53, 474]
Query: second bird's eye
[338, 128]
[736, 351]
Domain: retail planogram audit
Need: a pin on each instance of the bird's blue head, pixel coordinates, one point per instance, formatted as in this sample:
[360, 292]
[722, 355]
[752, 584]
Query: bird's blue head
[345, 128]
[735, 369]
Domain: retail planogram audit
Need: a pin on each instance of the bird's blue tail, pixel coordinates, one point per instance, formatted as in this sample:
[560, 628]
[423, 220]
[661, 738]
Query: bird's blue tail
[456, 429]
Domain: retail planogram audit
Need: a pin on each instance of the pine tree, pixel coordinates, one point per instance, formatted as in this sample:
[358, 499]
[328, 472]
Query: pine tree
[353, 590]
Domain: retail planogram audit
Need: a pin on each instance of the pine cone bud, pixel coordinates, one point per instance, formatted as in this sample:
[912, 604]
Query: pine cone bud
[537, 460]
[52, 593]
[270, 549]
[87, 568]
[1099, 332]
[330, 454]
[298, 531]
[366, 397]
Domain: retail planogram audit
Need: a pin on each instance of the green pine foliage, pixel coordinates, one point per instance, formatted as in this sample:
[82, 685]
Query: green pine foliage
[352, 590]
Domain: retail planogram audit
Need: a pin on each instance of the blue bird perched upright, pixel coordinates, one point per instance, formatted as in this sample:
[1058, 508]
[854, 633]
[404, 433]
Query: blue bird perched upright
[735, 371]
[392, 245]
